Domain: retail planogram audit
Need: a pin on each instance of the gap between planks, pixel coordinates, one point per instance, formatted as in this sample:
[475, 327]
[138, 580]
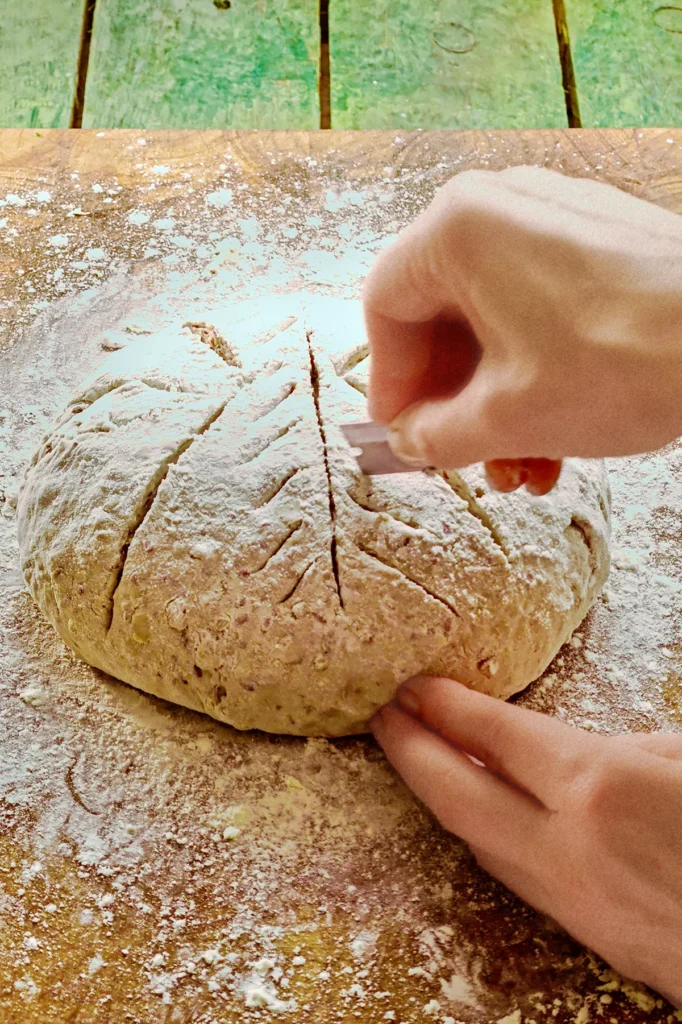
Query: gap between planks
[324, 73]
[566, 61]
[83, 61]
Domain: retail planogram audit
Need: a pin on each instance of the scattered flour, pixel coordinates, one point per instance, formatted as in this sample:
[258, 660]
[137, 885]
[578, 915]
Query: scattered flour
[344, 870]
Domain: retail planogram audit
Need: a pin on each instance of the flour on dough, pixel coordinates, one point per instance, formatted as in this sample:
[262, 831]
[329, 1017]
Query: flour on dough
[197, 526]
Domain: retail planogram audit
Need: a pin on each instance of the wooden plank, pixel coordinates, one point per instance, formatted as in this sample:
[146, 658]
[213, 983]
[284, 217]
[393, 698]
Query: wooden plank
[627, 56]
[197, 64]
[39, 59]
[444, 64]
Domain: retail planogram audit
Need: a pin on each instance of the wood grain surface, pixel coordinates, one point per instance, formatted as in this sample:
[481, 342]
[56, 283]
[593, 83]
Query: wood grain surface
[627, 56]
[203, 64]
[120, 900]
[193, 63]
[38, 57]
[445, 65]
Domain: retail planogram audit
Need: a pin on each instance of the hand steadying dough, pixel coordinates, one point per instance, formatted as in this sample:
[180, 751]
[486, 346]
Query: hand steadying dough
[526, 316]
[585, 828]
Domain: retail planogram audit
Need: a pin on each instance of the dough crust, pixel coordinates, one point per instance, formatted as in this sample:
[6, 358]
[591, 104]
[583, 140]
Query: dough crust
[195, 525]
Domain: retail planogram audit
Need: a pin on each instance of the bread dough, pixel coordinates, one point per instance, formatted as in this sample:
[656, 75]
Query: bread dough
[195, 524]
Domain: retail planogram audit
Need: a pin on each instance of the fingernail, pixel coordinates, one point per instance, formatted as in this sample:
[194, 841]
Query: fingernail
[402, 442]
[409, 701]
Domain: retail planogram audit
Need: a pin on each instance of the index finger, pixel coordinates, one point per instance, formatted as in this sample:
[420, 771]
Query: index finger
[467, 799]
[400, 357]
[535, 752]
[414, 361]
[402, 297]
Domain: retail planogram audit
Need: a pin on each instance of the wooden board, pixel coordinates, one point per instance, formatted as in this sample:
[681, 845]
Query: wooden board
[627, 56]
[38, 57]
[193, 63]
[120, 902]
[445, 64]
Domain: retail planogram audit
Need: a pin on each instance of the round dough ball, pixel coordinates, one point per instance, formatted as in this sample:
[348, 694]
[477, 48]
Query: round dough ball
[196, 525]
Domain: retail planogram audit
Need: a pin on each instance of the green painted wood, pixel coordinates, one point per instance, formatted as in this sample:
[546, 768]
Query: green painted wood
[203, 64]
[39, 46]
[627, 56]
[445, 64]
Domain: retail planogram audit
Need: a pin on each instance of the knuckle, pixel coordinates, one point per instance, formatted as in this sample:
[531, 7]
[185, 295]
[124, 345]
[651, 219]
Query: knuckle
[601, 789]
[460, 206]
[406, 281]
[369, 287]
[474, 201]
[465, 190]
[506, 412]
[428, 446]
[376, 289]
[497, 408]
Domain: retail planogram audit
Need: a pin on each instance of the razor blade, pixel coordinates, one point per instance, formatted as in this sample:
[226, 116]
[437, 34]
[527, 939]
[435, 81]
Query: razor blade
[373, 454]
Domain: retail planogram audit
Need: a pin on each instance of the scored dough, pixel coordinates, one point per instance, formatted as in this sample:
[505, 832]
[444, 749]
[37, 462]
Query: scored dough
[196, 525]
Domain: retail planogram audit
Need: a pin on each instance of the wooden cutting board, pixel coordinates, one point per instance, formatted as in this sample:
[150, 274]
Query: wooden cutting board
[156, 866]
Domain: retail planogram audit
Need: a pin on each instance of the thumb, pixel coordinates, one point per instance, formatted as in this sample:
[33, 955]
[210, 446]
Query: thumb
[453, 432]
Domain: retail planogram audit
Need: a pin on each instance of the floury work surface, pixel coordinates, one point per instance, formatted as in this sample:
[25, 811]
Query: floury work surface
[156, 865]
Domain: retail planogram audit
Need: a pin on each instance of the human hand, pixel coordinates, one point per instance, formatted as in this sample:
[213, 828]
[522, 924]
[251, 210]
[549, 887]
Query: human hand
[528, 314]
[585, 828]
